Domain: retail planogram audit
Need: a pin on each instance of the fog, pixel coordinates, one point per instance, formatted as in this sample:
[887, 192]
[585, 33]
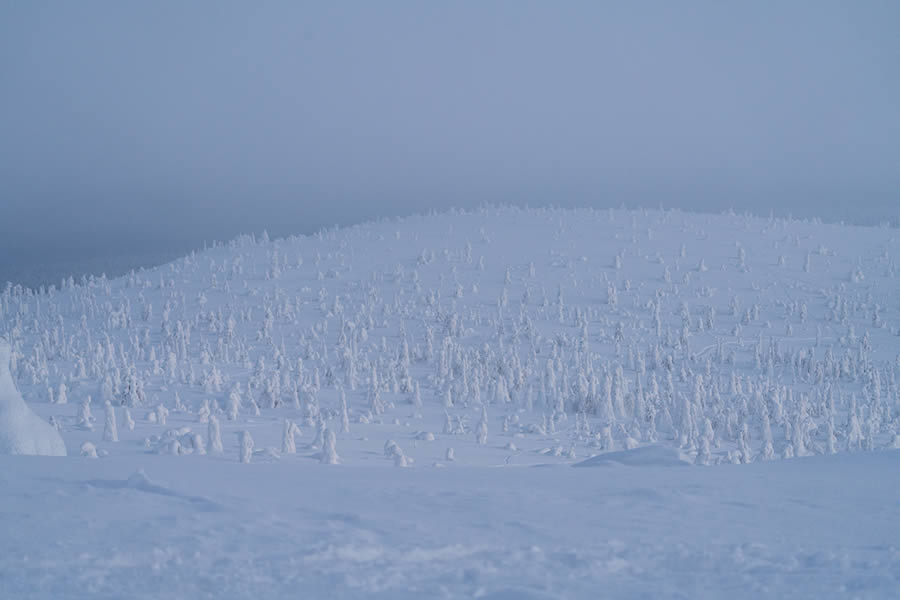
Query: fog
[139, 130]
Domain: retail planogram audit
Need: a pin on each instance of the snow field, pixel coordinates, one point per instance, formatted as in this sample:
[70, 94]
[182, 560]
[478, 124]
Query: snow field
[465, 346]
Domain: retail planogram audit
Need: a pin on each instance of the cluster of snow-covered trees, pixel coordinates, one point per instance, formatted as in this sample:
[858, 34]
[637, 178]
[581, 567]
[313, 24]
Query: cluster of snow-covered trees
[589, 331]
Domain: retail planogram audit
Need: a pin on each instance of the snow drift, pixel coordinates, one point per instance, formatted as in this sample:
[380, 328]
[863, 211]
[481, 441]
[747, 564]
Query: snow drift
[22, 431]
[647, 456]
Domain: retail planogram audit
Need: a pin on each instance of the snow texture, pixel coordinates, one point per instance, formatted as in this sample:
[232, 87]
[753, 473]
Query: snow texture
[647, 456]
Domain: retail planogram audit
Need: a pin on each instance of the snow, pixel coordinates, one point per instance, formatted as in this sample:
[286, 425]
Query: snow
[195, 527]
[261, 393]
[22, 431]
[646, 456]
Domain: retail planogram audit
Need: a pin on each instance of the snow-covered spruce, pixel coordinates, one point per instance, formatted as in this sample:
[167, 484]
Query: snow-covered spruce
[288, 444]
[110, 429]
[214, 437]
[725, 336]
[329, 455]
[85, 419]
[246, 446]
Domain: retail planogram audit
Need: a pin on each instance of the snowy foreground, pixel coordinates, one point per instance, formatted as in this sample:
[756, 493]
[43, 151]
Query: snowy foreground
[636, 404]
[821, 527]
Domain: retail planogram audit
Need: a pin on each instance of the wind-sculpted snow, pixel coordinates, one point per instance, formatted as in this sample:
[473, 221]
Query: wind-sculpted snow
[467, 341]
[22, 431]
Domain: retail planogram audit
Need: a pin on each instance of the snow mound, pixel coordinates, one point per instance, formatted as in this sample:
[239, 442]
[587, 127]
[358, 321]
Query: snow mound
[22, 431]
[646, 456]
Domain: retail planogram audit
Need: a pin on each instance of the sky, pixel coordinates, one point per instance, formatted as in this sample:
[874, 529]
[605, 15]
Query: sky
[129, 128]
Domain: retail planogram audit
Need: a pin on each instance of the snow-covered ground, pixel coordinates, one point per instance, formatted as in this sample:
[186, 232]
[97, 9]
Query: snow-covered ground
[209, 527]
[676, 359]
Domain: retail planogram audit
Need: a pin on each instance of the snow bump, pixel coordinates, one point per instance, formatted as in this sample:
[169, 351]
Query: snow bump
[646, 456]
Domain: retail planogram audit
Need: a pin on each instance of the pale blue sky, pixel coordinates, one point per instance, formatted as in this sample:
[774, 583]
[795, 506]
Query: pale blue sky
[147, 125]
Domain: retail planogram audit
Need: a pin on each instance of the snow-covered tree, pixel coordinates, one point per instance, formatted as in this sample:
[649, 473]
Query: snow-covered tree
[246, 445]
[110, 430]
[345, 417]
[214, 436]
[481, 432]
[233, 403]
[329, 454]
[84, 419]
[288, 445]
[127, 421]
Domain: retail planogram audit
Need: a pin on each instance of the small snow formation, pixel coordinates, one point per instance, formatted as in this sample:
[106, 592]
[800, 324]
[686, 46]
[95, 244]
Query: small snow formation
[22, 431]
[177, 442]
[88, 450]
[394, 452]
[85, 419]
[329, 455]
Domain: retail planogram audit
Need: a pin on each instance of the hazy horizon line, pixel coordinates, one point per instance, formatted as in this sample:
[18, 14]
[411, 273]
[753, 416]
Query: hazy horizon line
[55, 270]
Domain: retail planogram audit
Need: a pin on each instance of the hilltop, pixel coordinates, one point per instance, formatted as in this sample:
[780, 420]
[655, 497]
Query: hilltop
[466, 346]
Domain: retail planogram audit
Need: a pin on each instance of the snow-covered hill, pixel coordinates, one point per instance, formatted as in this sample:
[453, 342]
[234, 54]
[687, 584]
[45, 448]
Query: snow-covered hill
[497, 338]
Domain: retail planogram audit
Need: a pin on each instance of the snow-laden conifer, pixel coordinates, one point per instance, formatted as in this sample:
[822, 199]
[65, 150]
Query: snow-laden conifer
[481, 432]
[329, 455]
[110, 430]
[214, 436]
[245, 452]
[84, 418]
[288, 445]
[127, 421]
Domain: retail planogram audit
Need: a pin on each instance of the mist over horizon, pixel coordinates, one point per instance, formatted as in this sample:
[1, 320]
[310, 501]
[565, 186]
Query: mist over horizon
[135, 133]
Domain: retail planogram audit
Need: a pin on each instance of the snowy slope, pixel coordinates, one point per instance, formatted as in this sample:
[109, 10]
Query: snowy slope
[468, 346]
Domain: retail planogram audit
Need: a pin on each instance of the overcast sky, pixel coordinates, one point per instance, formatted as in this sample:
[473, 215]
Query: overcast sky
[127, 126]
